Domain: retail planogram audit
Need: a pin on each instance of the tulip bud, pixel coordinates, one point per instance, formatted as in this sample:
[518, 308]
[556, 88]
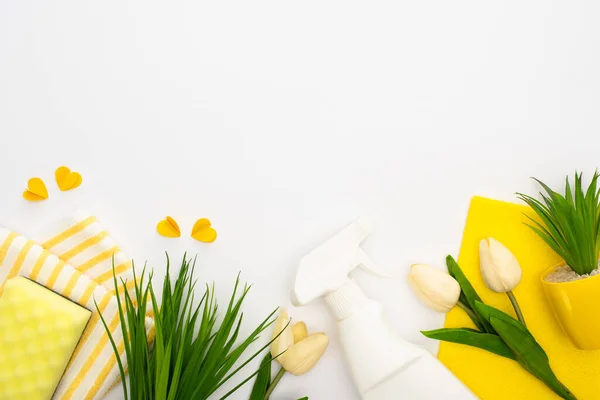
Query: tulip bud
[435, 288]
[302, 357]
[282, 335]
[499, 267]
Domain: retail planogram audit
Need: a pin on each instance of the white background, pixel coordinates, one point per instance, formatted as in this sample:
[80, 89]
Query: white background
[283, 121]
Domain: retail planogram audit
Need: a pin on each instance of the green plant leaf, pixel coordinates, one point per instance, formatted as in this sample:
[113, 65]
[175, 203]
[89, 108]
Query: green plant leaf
[162, 374]
[470, 337]
[196, 349]
[468, 295]
[528, 353]
[263, 379]
[570, 224]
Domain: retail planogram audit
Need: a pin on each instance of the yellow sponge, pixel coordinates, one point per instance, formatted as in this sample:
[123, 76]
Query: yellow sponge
[39, 331]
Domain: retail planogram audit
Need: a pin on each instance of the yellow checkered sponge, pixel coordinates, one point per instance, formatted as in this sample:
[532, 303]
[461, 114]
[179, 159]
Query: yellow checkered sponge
[38, 333]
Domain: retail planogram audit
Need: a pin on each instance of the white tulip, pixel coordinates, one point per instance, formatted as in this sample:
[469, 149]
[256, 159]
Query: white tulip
[499, 267]
[296, 351]
[435, 288]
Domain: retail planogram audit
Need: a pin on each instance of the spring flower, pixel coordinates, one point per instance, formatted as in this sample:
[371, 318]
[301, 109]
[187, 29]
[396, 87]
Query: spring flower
[500, 270]
[296, 350]
[435, 288]
[499, 267]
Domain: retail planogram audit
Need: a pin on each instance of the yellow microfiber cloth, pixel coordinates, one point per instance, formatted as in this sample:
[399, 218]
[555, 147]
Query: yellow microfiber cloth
[492, 377]
[38, 333]
[93, 368]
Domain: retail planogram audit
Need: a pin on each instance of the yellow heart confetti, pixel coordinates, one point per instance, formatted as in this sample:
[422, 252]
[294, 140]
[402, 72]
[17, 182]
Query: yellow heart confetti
[66, 179]
[168, 228]
[203, 232]
[36, 190]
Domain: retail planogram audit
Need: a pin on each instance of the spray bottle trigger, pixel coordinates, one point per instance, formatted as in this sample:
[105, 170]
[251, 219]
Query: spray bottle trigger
[361, 259]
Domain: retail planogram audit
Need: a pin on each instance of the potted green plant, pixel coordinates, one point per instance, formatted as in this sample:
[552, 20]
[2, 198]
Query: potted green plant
[570, 225]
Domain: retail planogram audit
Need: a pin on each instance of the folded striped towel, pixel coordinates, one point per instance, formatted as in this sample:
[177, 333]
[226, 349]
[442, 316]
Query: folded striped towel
[81, 241]
[85, 279]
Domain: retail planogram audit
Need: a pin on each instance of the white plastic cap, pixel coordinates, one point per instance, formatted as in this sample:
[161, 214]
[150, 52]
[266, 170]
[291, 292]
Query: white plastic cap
[344, 301]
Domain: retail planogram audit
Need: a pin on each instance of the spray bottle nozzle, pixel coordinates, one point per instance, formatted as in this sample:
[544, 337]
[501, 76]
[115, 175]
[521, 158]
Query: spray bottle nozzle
[326, 268]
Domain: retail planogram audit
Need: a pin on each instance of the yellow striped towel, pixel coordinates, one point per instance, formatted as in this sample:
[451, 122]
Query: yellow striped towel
[81, 241]
[93, 368]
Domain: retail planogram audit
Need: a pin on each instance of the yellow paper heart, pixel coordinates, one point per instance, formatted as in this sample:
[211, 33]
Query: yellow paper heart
[203, 232]
[66, 179]
[36, 190]
[168, 228]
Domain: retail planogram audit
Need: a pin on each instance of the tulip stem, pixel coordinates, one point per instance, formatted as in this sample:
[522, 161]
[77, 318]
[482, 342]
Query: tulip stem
[513, 301]
[468, 310]
[274, 383]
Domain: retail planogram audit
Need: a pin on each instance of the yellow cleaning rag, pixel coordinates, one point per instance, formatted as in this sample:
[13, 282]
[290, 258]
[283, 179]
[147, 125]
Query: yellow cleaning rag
[492, 377]
[81, 241]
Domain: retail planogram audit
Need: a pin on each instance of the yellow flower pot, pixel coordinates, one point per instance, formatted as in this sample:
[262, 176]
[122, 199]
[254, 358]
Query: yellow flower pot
[576, 305]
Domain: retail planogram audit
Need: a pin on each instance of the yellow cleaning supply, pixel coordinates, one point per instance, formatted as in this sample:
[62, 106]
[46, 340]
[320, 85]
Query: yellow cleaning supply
[492, 377]
[82, 241]
[93, 368]
[38, 333]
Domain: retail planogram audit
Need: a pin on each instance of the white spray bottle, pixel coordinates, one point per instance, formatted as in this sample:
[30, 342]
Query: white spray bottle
[384, 366]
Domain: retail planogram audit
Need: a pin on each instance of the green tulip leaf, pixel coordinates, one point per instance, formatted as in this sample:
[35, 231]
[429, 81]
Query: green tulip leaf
[529, 354]
[487, 312]
[263, 379]
[468, 295]
[471, 337]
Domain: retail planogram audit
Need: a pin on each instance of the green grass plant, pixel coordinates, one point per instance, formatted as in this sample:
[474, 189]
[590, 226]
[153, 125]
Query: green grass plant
[196, 349]
[570, 223]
